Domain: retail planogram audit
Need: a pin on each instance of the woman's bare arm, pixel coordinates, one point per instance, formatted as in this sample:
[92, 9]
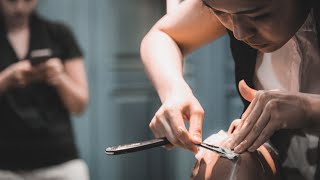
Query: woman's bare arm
[72, 85]
[178, 33]
[69, 79]
[190, 26]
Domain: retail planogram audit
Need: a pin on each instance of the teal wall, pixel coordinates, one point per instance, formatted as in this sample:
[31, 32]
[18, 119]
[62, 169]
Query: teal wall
[122, 99]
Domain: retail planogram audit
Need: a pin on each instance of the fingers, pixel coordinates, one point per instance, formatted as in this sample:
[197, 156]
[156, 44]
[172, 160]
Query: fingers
[24, 67]
[249, 108]
[255, 132]
[24, 63]
[195, 129]
[264, 136]
[161, 128]
[180, 106]
[20, 80]
[234, 126]
[158, 130]
[18, 73]
[253, 102]
[53, 64]
[179, 130]
[170, 124]
[166, 131]
[52, 71]
[247, 125]
[155, 128]
[258, 124]
[246, 92]
[184, 138]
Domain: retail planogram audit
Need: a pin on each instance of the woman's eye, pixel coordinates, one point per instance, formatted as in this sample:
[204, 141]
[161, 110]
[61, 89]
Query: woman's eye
[219, 13]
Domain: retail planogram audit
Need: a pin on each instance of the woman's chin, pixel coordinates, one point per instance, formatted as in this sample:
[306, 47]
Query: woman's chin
[268, 48]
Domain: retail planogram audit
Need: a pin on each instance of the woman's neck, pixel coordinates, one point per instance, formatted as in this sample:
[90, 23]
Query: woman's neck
[16, 25]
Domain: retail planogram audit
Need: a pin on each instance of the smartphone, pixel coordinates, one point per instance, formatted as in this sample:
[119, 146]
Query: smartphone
[40, 56]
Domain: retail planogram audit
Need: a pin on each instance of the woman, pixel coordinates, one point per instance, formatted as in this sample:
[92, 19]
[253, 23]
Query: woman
[276, 50]
[36, 99]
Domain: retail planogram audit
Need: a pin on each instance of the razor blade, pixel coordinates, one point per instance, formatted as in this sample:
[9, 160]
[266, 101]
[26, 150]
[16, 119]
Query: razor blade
[139, 146]
[223, 152]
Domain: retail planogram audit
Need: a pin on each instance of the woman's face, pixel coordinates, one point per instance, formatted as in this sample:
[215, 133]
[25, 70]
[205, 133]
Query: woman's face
[17, 10]
[263, 24]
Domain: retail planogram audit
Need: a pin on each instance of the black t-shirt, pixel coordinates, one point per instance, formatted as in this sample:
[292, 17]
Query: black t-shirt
[35, 127]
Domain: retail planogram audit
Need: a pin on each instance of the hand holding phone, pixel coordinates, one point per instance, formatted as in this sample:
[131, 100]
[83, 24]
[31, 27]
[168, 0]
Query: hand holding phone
[40, 56]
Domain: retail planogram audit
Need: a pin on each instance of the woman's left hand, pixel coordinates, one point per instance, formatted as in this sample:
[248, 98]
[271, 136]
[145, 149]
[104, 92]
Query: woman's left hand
[52, 71]
[268, 112]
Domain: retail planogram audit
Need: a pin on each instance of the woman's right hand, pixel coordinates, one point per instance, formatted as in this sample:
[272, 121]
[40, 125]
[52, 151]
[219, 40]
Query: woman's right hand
[179, 105]
[18, 74]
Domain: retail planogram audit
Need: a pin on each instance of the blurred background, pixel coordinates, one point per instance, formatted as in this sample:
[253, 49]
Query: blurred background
[122, 101]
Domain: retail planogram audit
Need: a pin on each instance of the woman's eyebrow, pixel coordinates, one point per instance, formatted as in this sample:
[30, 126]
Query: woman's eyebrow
[206, 4]
[240, 11]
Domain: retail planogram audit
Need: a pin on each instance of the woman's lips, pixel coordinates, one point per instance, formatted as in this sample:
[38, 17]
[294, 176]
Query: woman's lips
[264, 47]
[258, 46]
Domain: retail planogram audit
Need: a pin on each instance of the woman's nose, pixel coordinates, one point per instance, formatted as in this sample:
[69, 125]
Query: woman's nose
[20, 5]
[242, 28]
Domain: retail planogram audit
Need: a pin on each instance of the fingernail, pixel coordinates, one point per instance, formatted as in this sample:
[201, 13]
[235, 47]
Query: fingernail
[251, 149]
[195, 150]
[199, 154]
[197, 138]
[237, 149]
[180, 130]
[229, 142]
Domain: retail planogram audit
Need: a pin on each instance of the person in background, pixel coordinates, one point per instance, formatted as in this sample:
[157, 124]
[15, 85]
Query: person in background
[37, 98]
[275, 46]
